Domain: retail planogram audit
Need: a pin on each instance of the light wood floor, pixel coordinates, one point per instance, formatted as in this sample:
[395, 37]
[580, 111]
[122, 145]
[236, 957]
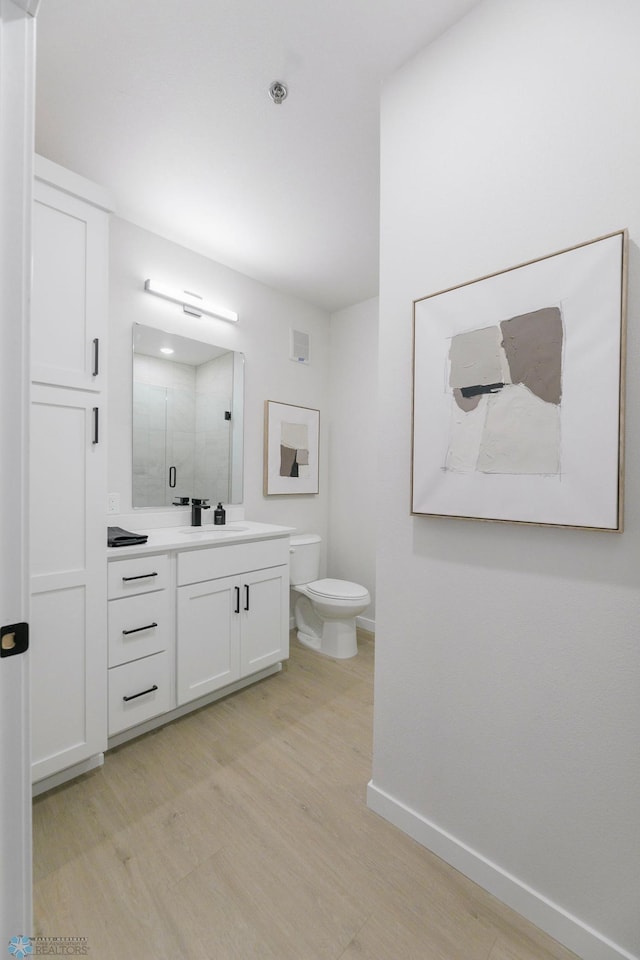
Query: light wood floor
[241, 832]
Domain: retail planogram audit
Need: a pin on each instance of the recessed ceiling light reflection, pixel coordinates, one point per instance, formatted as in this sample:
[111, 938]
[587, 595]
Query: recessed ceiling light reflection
[166, 350]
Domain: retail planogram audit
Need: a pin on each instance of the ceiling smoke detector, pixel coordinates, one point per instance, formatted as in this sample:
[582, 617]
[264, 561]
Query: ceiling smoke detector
[278, 92]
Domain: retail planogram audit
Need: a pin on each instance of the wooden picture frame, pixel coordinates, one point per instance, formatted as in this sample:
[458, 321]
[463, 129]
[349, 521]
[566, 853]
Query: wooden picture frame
[291, 449]
[518, 392]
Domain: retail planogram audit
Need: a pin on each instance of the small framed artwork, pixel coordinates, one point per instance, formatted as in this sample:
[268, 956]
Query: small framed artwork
[291, 442]
[518, 390]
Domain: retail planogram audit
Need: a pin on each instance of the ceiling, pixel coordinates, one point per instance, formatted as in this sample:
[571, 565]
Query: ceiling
[166, 104]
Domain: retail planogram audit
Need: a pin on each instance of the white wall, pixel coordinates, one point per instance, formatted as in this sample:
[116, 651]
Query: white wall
[262, 334]
[507, 717]
[353, 448]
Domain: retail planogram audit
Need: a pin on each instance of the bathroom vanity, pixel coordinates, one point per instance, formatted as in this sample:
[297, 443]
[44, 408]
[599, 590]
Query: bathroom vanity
[194, 614]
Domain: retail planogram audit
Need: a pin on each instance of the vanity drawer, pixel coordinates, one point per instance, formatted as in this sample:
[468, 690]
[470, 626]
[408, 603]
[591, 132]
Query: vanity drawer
[228, 560]
[138, 626]
[146, 685]
[138, 575]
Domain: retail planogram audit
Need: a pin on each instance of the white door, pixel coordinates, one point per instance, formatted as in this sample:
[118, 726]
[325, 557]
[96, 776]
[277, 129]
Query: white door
[17, 66]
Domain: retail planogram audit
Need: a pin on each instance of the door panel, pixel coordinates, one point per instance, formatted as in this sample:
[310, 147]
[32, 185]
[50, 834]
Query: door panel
[208, 637]
[17, 60]
[68, 583]
[60, 440]
[69, 290]
[59, 629]
[265, 624]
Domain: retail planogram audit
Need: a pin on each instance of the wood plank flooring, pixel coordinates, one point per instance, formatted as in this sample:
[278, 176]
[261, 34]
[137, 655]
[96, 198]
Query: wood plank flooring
[241, 831]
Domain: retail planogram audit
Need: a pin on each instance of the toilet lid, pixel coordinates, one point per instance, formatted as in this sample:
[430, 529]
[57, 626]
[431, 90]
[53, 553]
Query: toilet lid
[338, 589]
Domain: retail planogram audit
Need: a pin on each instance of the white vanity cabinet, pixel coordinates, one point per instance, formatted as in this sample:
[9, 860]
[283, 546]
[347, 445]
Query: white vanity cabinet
[189, 624]
[232, 614]
[68, 473]
[141, 641]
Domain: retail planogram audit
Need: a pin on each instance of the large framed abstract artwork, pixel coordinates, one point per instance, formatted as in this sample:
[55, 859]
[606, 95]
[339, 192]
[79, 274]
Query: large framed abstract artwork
[518, 388]
[291, 442]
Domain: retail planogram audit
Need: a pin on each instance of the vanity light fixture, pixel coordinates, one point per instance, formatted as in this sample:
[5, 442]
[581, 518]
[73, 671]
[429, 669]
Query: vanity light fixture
[191, 303]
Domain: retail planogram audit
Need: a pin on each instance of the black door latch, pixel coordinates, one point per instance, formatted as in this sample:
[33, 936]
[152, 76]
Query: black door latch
[14, 639]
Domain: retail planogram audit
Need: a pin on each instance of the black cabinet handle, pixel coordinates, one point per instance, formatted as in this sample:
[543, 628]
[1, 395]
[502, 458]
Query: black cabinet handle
[96, 416]
[172, 477]
[140, 576]
[141, 694]
[96, 357]
[237, 610]
[138, 629]
[246, 596]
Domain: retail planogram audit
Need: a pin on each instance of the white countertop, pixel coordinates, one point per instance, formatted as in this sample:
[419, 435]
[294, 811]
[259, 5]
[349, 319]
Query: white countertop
[208, 535]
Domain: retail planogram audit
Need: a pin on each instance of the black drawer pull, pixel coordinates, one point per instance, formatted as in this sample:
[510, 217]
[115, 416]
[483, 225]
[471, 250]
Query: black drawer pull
[138, 629]
[96, 357]
[140, 576]
[237, 610]
[141, 694]
[246, 596]
[96, 426]
[172, 477]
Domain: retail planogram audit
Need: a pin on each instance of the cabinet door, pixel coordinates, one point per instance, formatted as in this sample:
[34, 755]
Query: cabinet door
[208, 653]
[265, 618]
[68, 577]
[69, 291]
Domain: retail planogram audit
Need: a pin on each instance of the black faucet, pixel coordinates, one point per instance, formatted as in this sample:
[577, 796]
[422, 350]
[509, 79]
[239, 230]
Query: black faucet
[197, 506]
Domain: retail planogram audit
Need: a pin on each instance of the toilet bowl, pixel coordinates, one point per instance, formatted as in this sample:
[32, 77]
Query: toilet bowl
[325, 610]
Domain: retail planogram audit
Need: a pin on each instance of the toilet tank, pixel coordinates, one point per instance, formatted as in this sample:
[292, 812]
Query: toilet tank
[304, 558]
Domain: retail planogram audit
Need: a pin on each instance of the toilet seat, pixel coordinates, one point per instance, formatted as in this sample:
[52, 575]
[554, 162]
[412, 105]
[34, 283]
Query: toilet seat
[337, 589]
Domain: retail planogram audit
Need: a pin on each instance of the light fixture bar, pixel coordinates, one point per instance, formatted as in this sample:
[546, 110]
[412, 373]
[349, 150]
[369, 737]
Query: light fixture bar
[191, 303]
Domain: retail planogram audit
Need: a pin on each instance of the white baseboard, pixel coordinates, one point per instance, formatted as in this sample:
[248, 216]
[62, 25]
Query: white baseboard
[56, 779]
[548, 916]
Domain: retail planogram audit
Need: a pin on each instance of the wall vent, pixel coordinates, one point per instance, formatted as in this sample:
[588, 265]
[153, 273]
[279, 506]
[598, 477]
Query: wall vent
[299, 346]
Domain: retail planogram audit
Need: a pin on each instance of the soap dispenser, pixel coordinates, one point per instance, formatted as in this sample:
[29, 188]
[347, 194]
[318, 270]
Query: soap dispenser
[219, 515]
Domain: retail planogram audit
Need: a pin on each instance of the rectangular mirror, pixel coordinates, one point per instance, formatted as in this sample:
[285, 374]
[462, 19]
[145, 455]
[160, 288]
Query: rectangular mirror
[187, 419]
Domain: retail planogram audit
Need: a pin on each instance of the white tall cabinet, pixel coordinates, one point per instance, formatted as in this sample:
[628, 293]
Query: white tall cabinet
[68, 472]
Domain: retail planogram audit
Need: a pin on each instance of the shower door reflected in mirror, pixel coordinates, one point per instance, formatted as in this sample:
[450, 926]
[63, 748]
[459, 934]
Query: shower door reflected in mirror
[187, 419]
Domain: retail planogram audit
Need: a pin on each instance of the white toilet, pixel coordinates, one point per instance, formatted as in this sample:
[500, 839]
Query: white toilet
[325, 610]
